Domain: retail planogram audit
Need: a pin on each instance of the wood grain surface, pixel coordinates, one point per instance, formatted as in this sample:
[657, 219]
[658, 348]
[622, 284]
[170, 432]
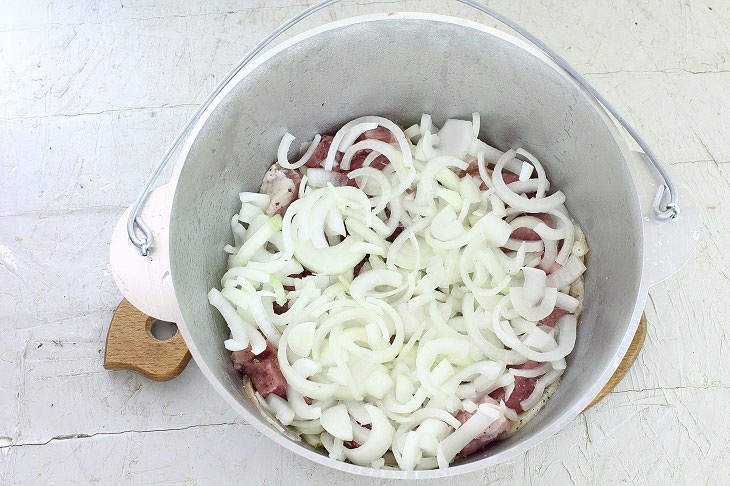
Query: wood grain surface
[631, 354]
[130, 345]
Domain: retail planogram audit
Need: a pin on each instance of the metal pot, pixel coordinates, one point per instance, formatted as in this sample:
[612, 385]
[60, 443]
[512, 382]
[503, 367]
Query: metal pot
[400, 66]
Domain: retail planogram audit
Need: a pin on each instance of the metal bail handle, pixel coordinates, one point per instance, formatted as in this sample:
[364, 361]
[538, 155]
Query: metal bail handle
[667, 191]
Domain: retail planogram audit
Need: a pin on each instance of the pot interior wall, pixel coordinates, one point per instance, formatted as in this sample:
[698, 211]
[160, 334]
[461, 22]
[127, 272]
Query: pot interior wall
[400, 68]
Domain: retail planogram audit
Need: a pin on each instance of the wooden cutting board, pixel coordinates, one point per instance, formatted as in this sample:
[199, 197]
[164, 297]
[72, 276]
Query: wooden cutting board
[631, 354]
[130, 345]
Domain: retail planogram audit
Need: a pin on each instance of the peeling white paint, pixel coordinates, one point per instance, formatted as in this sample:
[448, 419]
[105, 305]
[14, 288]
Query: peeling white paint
[92, 92]
[8, 258]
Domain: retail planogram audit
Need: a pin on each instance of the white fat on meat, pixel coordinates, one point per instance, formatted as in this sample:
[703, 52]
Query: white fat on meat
[282, 187]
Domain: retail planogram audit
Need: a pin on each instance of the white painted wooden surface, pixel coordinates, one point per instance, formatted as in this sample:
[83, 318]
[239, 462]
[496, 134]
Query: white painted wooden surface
[92, 91]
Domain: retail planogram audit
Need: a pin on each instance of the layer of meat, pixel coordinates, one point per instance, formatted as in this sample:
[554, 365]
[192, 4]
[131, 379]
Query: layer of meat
[263, 369]
[493, 432]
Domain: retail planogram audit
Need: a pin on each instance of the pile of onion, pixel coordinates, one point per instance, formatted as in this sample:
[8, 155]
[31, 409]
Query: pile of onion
[411, 292]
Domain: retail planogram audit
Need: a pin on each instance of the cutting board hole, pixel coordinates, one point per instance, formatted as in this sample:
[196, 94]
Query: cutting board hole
[163, 330]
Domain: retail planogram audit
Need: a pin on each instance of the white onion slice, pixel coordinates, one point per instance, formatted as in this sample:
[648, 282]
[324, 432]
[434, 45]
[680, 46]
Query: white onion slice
[334, 446]
[542, 180]
[539, 226]
[379, 177]
[529, 311]
[530, 185]
[353, 134]
[300, 407]
[486, 178]
[425, 123]
[488, 152]
[376, 146]
[403, 388]
[431, 432]
[283, 151]
[533, 372]
[567, 302]
[241, 331]
[451, 347]
[469, 190]
[536, 205]
[567, 274]
[319, 178]
[549, 378]
[400, 240]
[411, 451]
[412, 132]
[529, 246]
[256, 241]
[425, 189]
[486, 370]
[487, 227]
[549, 254]
[367, 281]
[539, 339]
[302, 337]
[233, 345]
[408, 406]
[308, 388]
[336, 421]
[454, 139]
[567, 326]
[477, 423]
[445, 225]
[332, 260]
[525, 172]
[533, 289]
[261, 201]
[569, 235]
[306, 367]
[488, 348]
[381, 435]
[281, 408]
[385, 123]
[476, 122]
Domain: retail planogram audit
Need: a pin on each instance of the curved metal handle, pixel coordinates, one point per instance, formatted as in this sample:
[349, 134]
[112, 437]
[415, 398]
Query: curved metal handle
[668, 245]
[146, 243]
[667, 191]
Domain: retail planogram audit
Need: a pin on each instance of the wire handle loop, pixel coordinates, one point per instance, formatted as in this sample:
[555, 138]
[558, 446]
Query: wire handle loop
[667, 191]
